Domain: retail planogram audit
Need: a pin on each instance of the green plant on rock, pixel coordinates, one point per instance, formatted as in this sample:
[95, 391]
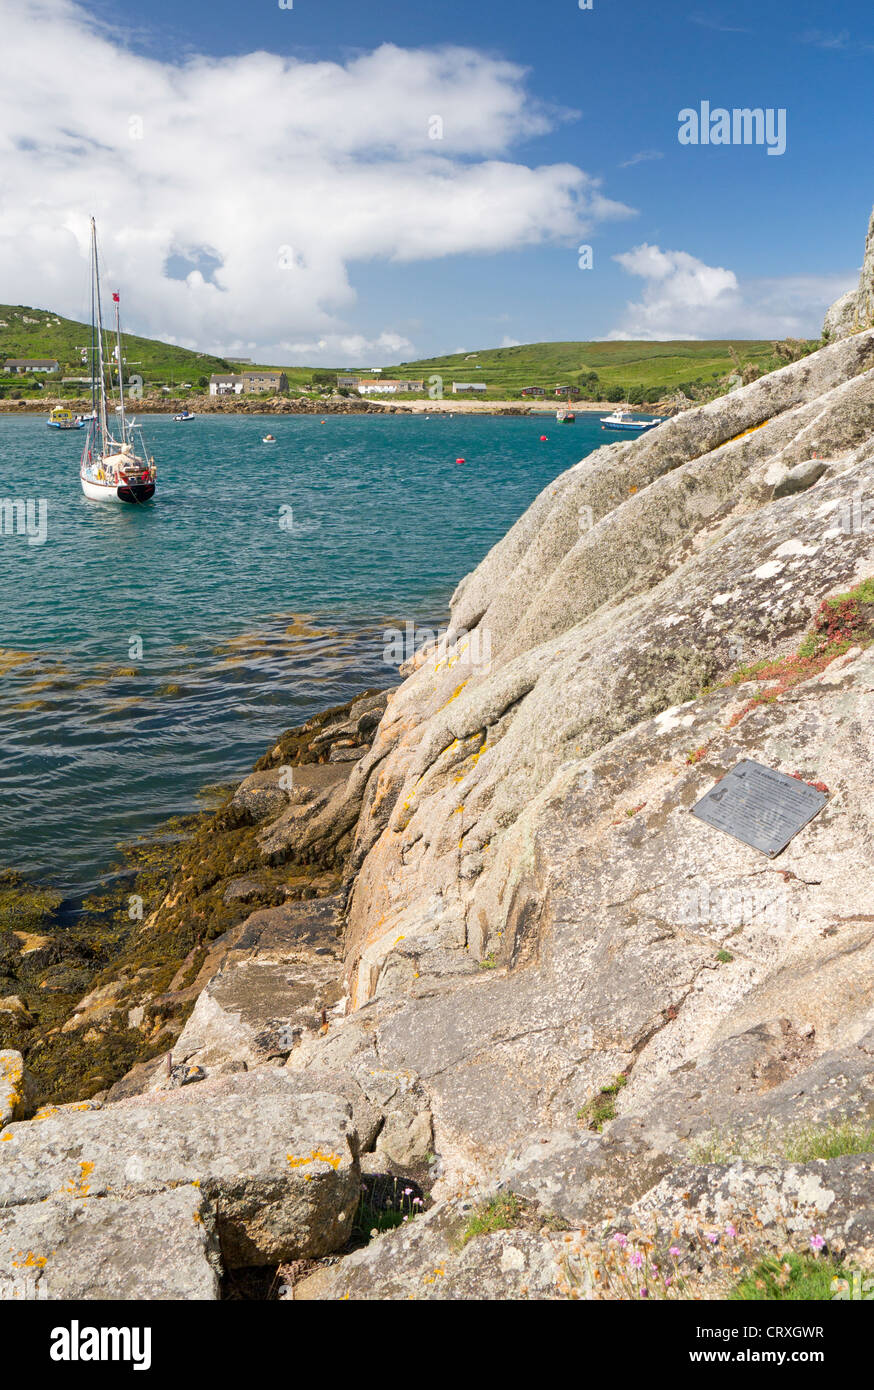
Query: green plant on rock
[798, 1144]
[793, 1278]
[602, 1107]
[500, 1213]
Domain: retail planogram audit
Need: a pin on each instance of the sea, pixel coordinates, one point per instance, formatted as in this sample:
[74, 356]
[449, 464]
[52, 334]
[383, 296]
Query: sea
[147, 652]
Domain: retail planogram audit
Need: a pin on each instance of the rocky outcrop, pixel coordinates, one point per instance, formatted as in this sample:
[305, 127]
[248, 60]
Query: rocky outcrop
[530, 980]
[854, 310]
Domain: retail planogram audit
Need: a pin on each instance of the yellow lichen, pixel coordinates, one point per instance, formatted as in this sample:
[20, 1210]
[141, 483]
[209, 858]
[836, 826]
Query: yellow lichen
[315, 1156]
[79, 1187]
[30, 1261]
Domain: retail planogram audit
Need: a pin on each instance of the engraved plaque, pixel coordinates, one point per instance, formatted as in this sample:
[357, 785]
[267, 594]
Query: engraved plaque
[759, 806]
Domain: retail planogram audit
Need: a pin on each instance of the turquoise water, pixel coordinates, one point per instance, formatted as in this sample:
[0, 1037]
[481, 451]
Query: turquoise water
[149, 651]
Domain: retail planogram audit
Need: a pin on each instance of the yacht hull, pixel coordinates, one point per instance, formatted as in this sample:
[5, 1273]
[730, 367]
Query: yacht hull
[117, 492]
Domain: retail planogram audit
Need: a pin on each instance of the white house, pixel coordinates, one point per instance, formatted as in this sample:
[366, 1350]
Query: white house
[226, 385]
[23, 366]
[389, 388]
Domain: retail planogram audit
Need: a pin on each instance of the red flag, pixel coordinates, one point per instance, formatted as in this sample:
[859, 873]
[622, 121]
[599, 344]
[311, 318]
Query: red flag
[115, 298]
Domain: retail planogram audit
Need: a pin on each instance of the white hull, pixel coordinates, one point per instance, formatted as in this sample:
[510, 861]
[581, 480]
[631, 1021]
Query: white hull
[100, 492]
[126, 493]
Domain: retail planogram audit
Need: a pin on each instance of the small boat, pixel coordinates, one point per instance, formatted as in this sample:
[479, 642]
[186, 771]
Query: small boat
[623, 420]
[269, 439]
[565, 417]
[111, 469]
[63, 419]
[186, 415]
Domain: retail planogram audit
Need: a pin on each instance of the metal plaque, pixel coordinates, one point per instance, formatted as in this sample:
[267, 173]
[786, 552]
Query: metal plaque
[759, 806]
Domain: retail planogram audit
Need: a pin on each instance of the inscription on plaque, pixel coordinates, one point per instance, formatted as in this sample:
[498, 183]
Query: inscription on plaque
[759, 806]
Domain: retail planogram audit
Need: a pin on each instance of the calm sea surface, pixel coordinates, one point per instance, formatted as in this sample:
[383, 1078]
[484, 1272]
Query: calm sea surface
[149, 651]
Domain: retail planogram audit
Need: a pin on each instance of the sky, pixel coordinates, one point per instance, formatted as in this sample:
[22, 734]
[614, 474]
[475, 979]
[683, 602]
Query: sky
[338, 183]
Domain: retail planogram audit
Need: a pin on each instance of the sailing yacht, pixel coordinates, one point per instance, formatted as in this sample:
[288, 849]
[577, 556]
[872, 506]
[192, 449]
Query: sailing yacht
[115, 465]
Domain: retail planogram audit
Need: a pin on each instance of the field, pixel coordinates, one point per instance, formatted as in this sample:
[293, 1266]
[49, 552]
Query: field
[655, 368]
[638, 372]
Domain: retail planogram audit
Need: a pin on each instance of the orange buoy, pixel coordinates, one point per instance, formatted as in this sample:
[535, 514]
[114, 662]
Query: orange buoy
[543, 438]
[459, 460]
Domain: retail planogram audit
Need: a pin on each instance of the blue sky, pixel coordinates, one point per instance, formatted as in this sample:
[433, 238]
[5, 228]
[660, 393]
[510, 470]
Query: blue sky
[748, 244]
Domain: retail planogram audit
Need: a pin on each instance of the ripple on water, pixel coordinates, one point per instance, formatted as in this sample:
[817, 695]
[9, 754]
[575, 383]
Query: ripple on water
[146, 652]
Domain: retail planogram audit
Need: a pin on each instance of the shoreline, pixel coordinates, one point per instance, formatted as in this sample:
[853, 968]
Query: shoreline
[281, 405]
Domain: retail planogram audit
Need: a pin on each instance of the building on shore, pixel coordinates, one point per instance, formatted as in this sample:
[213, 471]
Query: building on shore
[533, 391]
[389, 387]
[348, 383]
[24, 366]
[272, 382]
[458, 387]
[226, 385]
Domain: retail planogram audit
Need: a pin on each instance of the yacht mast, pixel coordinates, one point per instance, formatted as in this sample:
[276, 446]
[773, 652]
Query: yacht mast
[104, 428]
[120, 367]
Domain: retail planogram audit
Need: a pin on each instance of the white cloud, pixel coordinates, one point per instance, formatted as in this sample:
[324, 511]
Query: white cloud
[685, 298]
[507, 341]
[284, 172]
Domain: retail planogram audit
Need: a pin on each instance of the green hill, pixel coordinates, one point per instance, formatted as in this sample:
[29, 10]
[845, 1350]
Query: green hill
[614, 368]
[638, 372]
[27, 332]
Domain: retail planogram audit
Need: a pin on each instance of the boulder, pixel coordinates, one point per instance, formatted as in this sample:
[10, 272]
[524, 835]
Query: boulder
[141, 1249]
[283, 970]
[279, 1162]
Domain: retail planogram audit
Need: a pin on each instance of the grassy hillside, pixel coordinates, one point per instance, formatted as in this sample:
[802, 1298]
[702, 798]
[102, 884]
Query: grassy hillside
[655, 368]
[638, 372]
[26, 332]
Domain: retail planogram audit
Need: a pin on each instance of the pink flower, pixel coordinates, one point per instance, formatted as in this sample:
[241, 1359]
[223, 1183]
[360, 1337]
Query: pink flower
[730, 1231]
[621, 1240]
[637, 1259]
[644, 1293]
[713, 1237]
[816, 1243]
[675, 1251]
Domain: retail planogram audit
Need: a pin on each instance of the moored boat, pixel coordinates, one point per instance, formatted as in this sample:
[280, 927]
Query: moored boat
[624, 420]
[186, 415]
[115, 465]
[565, 417]
[63, 419]
[269, 439]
